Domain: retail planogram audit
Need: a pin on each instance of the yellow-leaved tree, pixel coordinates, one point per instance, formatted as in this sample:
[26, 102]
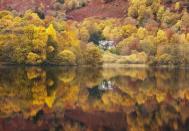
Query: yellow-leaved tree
[37, 39]
[51, 32]
[161, 37]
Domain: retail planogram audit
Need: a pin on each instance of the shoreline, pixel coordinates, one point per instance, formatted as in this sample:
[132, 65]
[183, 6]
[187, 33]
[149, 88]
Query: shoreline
[104, 65]
[115, 65]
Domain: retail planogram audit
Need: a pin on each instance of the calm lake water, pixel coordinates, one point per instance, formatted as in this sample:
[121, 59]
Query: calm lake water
[93, 99]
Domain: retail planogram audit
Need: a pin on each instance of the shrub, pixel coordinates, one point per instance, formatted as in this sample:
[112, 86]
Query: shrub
[161, 37]
[165, 59]
[169, 18]
[92, 55]
[52, 49]
[66, 57]
[128, 30]
[125, 46]
[4, 13]
[84, 34]
[72, 4]
[148, 45]
[170, 54]
[51, 32]
[136, 58]
[33, 58]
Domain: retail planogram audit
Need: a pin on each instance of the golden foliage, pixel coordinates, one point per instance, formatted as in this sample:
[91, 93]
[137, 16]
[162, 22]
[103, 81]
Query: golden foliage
[51, 32]
[92, 55]
[67, 57]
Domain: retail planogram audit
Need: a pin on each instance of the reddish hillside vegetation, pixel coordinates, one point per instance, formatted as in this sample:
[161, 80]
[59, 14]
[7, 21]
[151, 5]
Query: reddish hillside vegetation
[96, 8]
[22, 5]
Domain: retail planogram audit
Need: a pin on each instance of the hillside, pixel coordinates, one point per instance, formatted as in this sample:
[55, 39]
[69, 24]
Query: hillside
[23, 5]
[99, 9]
[77, 9]
[95, 8]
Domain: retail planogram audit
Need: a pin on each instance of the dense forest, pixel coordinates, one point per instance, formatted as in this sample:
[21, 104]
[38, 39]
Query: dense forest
[154, 32]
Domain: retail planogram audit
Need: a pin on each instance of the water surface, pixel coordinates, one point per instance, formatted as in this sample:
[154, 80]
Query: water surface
[93, 99]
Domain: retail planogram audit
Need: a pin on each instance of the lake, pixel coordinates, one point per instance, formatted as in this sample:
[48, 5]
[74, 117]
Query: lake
[94, 99]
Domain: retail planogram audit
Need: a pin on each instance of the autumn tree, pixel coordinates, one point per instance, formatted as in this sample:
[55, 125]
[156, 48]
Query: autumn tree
[66, 57]
[92, 55]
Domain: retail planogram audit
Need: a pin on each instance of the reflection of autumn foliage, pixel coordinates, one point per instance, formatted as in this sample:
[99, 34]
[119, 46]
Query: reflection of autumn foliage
[27, 90]
[152, 99]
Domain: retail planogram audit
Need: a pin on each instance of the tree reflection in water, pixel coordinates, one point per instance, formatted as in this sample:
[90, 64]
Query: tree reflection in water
[61, 98]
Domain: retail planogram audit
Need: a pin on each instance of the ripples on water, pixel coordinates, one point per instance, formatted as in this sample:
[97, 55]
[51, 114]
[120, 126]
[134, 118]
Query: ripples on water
[110, 99]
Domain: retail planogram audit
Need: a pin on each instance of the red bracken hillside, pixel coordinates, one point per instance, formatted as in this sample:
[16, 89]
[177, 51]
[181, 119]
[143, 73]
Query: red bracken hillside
[23, 5]
[97, 8]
